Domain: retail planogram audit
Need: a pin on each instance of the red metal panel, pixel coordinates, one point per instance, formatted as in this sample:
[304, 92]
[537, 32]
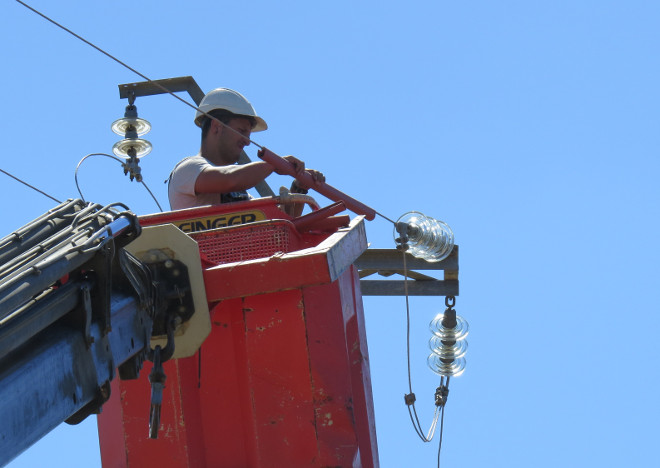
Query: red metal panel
[356, 342]
[343, 373]
[250, 278]
[226, 418]
[111, 430]
[331, 378]
[179, 439]
[278, 372]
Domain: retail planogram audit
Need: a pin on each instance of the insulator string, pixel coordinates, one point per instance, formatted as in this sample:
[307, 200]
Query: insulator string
[426, 238]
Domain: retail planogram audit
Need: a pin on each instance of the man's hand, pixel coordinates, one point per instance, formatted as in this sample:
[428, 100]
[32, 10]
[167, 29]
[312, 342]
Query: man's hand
[298, 186]
[316, 175]
[298, 170]
[298, 165]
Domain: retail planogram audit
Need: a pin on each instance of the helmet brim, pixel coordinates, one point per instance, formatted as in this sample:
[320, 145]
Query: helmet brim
[260, 125]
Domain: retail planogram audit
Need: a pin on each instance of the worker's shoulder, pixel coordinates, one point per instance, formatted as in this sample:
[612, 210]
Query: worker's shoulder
[195, 159]
[187, 169]
[190, 161]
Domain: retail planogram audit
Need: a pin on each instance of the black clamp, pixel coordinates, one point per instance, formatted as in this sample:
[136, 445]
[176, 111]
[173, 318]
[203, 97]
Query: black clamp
[441, 394]
[410, 399]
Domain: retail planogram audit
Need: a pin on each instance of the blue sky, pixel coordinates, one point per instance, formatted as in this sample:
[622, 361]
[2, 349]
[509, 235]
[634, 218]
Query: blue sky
[531, 128]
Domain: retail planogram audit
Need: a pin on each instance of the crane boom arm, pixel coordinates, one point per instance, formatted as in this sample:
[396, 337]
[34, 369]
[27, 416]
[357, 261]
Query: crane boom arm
[75, 306]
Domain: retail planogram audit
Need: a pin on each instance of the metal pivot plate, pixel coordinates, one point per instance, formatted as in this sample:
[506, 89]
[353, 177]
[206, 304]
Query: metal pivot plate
[189, 335]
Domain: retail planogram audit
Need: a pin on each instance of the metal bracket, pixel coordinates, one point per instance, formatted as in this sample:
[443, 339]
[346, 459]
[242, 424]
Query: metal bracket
[154, 87]
[102, 266]
[388, 262]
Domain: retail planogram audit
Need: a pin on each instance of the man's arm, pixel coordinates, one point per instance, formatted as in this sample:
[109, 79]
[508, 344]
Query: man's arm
[225, 179]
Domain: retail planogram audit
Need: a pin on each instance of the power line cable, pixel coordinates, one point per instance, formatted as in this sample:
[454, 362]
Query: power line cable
[123, 64]
[155, 83]
[442, 423]
[120, 161]
[439, 412]
[32, 187]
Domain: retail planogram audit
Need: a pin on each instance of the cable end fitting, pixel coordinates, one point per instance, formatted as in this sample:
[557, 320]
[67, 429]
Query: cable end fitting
[441, 394]
[410, 399]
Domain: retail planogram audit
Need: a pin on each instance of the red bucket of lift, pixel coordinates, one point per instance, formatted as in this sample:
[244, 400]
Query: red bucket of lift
[283, 378]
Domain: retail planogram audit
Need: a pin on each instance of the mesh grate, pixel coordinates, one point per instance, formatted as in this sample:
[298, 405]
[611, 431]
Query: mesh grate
[239, 243]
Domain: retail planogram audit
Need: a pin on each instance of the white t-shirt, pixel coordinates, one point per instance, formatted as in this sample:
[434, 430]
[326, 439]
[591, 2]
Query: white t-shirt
[181, 189]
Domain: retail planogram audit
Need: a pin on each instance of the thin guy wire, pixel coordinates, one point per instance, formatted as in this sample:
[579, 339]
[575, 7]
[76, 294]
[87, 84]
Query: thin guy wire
[33, 188]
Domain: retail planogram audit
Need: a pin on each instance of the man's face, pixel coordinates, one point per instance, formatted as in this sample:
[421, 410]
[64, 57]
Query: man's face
[231, 143]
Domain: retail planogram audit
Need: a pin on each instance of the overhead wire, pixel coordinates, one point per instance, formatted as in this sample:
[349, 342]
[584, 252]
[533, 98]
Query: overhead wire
[31, 186]
[119, 160]
[411, 407]
[146, 78]
[442, 426]
[385, 217]
[439, 412]
[128, 67]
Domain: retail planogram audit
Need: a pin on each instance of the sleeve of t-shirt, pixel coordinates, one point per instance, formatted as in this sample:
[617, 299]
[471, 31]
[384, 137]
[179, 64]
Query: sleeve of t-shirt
[185, 176]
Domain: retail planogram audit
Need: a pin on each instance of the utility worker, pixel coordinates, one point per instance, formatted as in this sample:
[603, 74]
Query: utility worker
[212, 176]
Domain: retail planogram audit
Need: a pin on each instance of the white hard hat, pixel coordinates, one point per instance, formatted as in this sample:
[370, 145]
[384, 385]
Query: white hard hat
[228, 99]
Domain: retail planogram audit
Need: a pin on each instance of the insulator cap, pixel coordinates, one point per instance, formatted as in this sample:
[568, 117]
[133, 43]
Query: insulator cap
[123, 125]
[428, 238]
[140, 147]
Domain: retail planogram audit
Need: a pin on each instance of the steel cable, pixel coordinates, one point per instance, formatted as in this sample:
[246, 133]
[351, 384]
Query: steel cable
[119, 161]
[155, 83]
[439, 412]
[32, 187]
